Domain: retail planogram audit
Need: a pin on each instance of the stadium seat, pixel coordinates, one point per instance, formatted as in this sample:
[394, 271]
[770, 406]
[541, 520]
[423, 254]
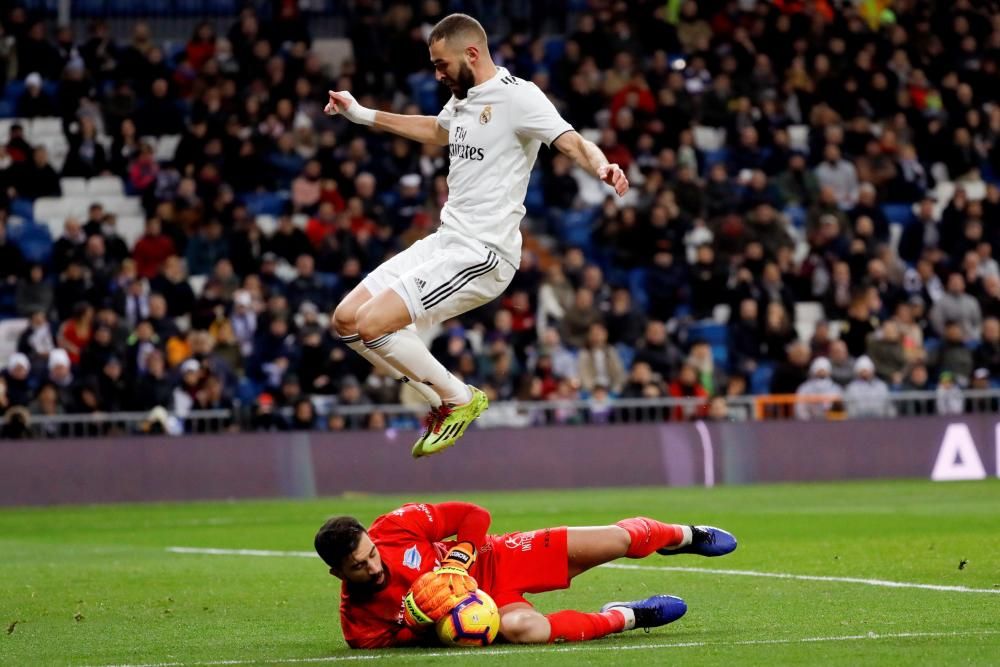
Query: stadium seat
[555, 47]
[7, 110]
[35, 242]
[721, 313]
[626, 353]
[720, 355]
[5, 124]
[40, 128]
[760, 379]
[534, 200]
[424, 91]
[796, 215]
[189, 7]
[197, 284]
[73, 185]
[47, 208]
[264, 202]
[708, 331]
[130, 228]
[901, 213]
[267, 223]
[12, 91]
[105, 185]
[23, 208]
[798, 137]
[807, 315]
[709, 138]
[637, 287]
[88, 8]
[166, 147]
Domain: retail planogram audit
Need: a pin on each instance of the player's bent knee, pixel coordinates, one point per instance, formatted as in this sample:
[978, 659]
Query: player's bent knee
[369, 325]
[525, 628]
[344, 322]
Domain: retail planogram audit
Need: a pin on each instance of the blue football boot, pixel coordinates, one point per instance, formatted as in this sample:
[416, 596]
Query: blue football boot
[705, 541]
[651, 612]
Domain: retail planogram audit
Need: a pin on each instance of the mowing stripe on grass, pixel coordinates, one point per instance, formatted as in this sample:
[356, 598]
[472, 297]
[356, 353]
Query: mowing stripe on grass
[651, 568]
[806, 577]
[574, 648]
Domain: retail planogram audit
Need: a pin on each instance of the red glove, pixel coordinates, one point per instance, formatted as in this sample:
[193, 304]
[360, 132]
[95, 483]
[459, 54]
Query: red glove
[436, 593]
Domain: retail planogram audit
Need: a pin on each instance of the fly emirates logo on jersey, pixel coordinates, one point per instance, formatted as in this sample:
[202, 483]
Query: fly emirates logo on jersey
[463, 151]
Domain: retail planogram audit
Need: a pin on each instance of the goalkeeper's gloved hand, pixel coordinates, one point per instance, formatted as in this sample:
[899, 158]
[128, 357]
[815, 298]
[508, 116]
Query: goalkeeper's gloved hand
[435, 593]
[342, 102]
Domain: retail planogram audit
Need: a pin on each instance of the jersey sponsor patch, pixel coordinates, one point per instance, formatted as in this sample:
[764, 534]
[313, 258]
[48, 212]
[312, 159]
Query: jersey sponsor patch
[412, 558]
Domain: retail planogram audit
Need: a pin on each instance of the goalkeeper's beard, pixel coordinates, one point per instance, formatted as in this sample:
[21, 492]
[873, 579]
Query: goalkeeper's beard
[371, 587]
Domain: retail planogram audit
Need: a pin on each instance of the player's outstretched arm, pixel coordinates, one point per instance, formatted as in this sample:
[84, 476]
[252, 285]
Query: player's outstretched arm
[424, 129]
[591, 158]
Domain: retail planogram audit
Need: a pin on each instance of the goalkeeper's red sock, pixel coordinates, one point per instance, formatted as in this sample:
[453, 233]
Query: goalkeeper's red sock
[578, 626]
[648, 535]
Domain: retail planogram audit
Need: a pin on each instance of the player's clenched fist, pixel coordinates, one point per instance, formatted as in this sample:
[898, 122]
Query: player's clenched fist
[343, 102]
[435, 593]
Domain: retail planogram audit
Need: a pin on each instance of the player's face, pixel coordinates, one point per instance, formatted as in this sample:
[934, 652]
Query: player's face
[451, 67]
[364, 566]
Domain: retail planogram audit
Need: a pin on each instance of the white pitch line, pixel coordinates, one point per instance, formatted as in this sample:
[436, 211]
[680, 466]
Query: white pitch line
[575, 648]
[806, 577]
[884, 583]
[241, 552]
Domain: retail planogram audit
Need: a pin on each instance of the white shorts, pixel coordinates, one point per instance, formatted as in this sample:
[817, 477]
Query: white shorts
[442, 276]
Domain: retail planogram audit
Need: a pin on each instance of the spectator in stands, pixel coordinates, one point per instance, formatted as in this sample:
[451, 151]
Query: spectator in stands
[17, 380]
[12, 264]
[819, 394]
[173, 285]
[867, 395]
[303, 416]
[839, 175]
[86, 157]
[75, 333]
[778, 331]
[954, 356]
[579, 317]
[206, 249]
[957, 306]
[949, 400]
[710, 376]
[35, 177]
[921, 234]
[599, 363]
[152, 249]
[159, 114]
[884, 349]
[707, 283]
[987, 354]
[288, 241]
[686, 385]
[657, 350]
[34, 102]
[61, 375]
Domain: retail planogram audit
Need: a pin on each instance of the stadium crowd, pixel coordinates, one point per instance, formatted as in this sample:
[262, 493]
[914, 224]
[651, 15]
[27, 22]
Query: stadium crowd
[698, 101]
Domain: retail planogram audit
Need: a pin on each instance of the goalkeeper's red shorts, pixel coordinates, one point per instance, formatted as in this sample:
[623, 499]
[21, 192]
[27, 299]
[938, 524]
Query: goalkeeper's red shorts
[513, 564]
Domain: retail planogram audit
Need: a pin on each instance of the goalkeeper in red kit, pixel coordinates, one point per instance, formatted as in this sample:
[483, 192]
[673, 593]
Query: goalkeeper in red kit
[412, 564]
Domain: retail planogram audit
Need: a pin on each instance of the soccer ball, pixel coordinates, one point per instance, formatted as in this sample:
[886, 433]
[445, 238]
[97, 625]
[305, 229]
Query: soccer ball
[475, 621]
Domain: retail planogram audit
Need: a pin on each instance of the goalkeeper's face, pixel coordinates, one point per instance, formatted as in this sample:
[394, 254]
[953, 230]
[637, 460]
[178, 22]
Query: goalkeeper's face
[364, 566]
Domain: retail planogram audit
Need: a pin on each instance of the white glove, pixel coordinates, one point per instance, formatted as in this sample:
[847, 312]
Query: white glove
[343, 102]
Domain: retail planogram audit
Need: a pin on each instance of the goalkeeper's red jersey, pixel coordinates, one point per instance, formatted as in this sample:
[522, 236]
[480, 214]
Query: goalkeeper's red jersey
[411, 541]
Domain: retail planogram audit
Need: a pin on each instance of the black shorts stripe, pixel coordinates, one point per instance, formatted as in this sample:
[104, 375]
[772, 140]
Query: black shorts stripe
[434, 292]
[469, 278]
[347, 340]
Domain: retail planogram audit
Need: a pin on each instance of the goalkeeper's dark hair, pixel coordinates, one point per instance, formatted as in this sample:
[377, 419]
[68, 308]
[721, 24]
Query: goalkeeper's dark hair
[337, 539]
[454, 25]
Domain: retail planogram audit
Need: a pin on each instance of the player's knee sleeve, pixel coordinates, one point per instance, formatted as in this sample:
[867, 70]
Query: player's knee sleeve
[647, 535]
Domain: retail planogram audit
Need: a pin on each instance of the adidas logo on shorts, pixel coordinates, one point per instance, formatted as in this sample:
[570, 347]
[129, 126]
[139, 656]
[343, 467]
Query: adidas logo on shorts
[420, 284]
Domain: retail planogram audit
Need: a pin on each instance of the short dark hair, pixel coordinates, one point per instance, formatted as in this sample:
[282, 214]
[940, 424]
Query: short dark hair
[337, 539]
[455, 24]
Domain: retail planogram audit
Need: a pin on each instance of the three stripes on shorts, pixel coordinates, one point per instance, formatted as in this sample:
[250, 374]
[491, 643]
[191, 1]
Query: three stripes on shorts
[463, 278]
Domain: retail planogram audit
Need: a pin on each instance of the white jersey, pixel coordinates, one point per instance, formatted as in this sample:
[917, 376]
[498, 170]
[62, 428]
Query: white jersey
[493, 140]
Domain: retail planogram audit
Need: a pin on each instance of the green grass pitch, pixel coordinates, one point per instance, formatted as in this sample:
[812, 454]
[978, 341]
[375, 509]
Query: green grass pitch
[97, 586]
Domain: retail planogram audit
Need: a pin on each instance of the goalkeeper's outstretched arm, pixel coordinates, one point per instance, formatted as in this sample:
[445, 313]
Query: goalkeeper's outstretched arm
[424, 129]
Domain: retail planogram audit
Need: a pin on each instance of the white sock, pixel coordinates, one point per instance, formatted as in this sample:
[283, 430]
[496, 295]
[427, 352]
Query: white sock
[404, 350]
[685, 540]
[354, 342]
[629, 617]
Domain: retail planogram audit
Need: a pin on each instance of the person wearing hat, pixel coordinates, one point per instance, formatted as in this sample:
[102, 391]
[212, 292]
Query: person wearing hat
[817, 395]
[17, 377]
[187, 388]
[866, 395]
[34, 103]
[949, 399]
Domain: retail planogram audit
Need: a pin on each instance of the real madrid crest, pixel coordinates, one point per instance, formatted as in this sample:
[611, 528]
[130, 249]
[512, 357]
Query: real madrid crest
[485, 116]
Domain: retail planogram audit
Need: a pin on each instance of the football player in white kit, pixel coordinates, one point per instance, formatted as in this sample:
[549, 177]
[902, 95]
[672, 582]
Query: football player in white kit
[493, 126]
